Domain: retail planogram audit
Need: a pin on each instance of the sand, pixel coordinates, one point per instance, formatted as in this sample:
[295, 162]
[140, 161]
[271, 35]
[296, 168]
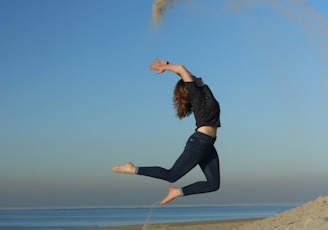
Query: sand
[310, 216]
[197, 225]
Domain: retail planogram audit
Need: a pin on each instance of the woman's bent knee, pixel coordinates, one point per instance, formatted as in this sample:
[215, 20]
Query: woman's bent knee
[172, 179]
[216, 187]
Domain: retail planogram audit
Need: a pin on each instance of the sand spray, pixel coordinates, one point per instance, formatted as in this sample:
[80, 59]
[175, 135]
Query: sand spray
[159, 8]
[296, 10]
[147, 225]
[315, 28]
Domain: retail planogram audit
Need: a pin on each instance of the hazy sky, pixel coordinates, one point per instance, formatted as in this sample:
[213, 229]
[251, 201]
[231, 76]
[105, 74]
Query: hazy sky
[76, 98]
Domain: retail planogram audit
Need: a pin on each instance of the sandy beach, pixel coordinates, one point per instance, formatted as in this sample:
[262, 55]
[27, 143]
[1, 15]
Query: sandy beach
[311, 216]
[197, 225]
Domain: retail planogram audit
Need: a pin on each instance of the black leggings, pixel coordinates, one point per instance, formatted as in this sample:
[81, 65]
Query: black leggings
[199, 150]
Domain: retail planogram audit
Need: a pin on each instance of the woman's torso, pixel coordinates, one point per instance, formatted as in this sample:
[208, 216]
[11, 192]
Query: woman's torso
[208, 130]
[205, 107]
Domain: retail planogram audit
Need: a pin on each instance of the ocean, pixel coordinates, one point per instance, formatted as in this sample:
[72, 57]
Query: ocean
[72, 218]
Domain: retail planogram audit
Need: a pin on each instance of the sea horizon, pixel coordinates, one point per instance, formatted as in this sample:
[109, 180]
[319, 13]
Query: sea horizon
[146, 205]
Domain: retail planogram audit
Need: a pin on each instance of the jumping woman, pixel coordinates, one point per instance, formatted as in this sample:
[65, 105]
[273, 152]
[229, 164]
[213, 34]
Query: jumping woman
[190, 96]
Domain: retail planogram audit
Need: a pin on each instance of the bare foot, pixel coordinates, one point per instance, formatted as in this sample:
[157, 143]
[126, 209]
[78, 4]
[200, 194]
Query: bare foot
[128, 168]
[173, 193]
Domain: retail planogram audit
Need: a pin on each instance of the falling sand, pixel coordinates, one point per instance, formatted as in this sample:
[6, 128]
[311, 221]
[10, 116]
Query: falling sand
[159, 8]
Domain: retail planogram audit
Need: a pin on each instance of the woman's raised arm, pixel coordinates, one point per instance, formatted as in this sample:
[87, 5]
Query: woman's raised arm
[161, 66]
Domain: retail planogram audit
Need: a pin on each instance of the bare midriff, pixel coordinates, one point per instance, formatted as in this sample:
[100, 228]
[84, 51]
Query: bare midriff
[208, 130]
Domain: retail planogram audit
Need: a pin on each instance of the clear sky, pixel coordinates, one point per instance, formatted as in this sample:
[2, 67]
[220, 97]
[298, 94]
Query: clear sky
[76, 98]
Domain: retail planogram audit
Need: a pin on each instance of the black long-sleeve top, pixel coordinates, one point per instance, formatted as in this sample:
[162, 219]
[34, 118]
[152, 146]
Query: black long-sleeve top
[204, 106]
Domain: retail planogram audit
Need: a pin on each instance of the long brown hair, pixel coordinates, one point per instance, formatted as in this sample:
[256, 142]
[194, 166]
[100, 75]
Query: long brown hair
[181, 100]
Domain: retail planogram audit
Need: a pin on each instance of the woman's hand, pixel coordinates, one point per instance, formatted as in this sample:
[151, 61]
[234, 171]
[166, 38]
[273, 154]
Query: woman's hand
[159, 65]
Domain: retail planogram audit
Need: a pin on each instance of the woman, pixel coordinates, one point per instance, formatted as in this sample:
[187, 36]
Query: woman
[190, 96]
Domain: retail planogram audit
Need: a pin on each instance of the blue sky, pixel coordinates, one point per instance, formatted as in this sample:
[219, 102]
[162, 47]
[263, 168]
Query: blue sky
[76, 98]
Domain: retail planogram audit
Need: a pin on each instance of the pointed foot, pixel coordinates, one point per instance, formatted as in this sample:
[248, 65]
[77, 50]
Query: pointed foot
[173, 193]
[127, 168]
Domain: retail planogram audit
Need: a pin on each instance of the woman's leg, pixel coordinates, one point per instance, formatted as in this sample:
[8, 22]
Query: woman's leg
[190, 157]
[182, 166]
[211, 169]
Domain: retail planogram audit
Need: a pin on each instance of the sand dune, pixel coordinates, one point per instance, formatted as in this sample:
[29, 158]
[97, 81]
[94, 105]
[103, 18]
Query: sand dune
[310, 216]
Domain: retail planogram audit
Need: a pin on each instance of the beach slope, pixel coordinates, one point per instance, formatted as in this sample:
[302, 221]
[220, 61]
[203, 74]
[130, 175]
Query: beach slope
[310, 216]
